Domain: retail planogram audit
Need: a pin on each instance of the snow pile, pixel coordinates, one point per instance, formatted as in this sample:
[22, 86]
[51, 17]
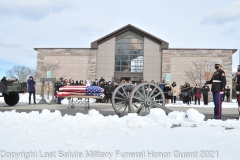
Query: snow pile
[177, 117]
[151, 135]
[195, 116]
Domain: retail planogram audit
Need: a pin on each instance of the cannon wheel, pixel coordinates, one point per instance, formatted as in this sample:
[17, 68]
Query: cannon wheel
[120, 99]
[146, 96]
[11, 99]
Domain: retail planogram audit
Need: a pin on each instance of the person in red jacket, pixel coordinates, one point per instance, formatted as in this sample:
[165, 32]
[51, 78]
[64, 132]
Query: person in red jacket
[218, 82]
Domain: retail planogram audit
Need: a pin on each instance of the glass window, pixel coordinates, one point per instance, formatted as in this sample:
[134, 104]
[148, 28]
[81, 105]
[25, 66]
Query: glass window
[117, 68]
[119, 41]
[140, 46]
[125, 41]
[124, 69]
[127, 37]
[130, 36]
[131, 57]
[124, 63]
[133, 41]
[125, 51]
[125, 46]
[117, 62]
[141, 52]
[118, 51]
[129, 54]
[117, 58]
[133, 46]
[124, 57]
[118, 46]
[140, 41]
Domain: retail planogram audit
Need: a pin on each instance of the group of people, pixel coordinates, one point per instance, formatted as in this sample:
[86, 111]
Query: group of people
[186, 92]
[219, 91]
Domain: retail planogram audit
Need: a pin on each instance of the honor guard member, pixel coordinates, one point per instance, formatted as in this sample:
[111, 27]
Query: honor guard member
[238, 88]
[218, 82]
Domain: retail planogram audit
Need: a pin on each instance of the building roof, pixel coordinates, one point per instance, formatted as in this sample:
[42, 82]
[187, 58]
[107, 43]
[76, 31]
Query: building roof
[233, 50]
[58, 48]
[132, 28]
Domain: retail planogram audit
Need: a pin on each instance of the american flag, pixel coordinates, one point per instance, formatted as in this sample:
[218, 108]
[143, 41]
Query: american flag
[80, 90]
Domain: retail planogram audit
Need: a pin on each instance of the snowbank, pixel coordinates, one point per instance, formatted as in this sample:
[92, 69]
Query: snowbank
[94, 136]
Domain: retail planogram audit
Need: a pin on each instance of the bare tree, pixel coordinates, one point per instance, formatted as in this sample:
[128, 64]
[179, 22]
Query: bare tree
[20, 72]
[199, 71]
[53, 67]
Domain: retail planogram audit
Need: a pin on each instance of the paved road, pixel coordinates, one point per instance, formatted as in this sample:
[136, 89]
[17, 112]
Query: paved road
[106, 109]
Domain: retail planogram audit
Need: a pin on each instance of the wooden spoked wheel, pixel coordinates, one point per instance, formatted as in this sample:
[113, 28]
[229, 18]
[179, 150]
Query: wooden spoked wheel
[120, 99]
[144, 97]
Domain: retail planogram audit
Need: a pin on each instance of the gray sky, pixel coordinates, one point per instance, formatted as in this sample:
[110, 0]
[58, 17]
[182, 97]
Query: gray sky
[26, 24]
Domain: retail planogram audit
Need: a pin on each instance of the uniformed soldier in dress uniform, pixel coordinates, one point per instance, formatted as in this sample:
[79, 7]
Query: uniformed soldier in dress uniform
[238, 88]
[218, 82]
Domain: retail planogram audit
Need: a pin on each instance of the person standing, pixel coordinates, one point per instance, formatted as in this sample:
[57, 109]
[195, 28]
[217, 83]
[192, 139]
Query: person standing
[205, 90]
[197, 93]
[180, 93]
[58, 84]
[238, 88]
[227, 93]
[31, 89]
[218, 82]
[110, 90]
[190, 98]
[175, 90]
[185, 93]
[167, 92]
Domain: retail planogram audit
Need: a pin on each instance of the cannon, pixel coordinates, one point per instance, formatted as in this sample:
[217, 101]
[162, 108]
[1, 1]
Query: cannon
[10, 91]
[126, 98]
[140, 99]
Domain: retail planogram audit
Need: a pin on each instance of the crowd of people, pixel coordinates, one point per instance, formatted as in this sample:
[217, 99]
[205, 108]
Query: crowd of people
[186, 93]
[172, 92]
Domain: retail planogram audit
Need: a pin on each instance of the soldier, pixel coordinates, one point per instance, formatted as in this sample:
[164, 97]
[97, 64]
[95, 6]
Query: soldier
[218, 82]
[238, 88]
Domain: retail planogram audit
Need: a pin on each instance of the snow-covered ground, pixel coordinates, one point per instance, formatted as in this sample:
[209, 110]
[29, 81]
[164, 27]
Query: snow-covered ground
[24, 98]
[48, 135]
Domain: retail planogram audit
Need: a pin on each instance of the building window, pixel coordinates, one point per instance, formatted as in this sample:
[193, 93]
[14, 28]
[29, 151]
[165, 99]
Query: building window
[129, 54]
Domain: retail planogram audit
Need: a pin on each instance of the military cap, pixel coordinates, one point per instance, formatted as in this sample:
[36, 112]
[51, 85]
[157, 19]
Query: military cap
[218, 63]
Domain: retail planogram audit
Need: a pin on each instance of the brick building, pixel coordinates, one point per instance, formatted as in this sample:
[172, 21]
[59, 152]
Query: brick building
[130, 52]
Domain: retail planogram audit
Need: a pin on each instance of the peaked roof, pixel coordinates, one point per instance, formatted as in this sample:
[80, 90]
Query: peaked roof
[132, 28]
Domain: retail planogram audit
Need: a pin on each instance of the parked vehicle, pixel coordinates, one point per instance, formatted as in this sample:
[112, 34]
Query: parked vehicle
[10, 91]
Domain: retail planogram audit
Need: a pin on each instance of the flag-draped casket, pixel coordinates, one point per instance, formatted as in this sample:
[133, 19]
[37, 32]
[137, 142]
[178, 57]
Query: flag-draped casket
[80, 91]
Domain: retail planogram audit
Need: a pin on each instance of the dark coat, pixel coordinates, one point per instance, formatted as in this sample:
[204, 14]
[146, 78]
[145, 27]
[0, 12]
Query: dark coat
[238, 81]
[205, 90]
[109, 88]
[185, 90]
[196, 90]
[31, 85]
[227, 92]
[218, 81]
[166, 89]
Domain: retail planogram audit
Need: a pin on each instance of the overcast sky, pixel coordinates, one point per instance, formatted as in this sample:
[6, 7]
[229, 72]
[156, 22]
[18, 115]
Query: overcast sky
[26, 24]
